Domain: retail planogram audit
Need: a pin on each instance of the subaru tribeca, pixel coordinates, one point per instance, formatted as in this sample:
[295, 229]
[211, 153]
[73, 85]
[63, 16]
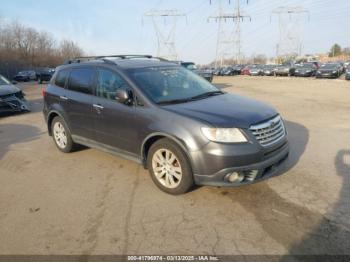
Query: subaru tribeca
[183, 129]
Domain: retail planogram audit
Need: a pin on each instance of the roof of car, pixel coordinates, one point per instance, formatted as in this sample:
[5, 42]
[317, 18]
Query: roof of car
[124, 63]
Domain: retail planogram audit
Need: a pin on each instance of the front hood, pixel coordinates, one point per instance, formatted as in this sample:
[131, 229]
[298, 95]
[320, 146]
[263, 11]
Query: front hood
[8, 89]
[225, 110]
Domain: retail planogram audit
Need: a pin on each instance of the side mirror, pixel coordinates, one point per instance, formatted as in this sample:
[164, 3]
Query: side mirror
[14, 82]
[122, 96]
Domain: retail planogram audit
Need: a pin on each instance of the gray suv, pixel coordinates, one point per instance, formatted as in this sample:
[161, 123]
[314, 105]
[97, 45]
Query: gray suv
[180, 127]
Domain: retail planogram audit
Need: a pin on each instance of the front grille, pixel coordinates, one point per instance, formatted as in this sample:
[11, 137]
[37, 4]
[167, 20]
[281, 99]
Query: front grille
[269, 132]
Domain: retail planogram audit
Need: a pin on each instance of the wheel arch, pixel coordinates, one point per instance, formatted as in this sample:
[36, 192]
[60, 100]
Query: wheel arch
[154, 137]
[50, 117]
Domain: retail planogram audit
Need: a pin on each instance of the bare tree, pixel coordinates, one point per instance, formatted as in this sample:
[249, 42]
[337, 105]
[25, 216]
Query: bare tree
[25, 47]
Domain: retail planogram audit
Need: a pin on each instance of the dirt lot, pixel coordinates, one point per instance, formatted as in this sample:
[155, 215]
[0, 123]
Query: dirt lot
[90, 202]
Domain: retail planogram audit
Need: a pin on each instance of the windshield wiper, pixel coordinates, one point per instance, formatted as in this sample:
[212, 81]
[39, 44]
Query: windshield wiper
[185, 100]
[174, 101]
[207, 94]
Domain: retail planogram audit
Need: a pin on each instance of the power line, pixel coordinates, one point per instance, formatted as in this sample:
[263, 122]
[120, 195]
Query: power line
[290, 43]
[228, 44]
[165, 34]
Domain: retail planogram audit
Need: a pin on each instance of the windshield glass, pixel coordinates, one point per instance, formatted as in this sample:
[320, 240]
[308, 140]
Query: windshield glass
[170, 83]
[308, 65]
[329, 66]
[4, 81]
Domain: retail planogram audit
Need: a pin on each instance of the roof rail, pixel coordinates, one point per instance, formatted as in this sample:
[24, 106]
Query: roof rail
[106, 60]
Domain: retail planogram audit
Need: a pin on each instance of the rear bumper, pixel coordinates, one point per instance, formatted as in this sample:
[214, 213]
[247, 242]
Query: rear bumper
[272, 166]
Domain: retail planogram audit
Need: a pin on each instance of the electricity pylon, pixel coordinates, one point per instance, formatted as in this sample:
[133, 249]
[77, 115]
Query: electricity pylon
[289, 23]
[166, 33]
[228, 44]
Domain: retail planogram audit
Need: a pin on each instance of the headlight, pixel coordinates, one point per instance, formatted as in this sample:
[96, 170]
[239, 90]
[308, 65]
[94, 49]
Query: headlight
[224, 135]
[334, 72]
[318, 72]
[308, 71]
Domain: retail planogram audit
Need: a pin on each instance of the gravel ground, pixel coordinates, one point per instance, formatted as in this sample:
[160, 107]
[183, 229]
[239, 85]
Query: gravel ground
[90, 202]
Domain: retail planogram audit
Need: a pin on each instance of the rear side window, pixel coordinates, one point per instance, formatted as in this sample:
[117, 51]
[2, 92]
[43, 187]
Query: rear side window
[61, 78]
[80, 80]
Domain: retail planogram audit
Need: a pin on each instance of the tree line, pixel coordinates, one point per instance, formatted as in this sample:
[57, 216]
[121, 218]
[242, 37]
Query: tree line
[23, 47]
[337, 50]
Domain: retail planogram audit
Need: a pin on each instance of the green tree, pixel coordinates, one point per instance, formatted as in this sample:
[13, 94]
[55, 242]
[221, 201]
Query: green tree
[335, 50]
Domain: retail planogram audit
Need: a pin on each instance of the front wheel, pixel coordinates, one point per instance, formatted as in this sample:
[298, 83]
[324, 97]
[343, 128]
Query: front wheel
[169, 167]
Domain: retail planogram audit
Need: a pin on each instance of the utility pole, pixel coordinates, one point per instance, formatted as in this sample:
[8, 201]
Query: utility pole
[228, 43]
[165, 34]
[290, 42]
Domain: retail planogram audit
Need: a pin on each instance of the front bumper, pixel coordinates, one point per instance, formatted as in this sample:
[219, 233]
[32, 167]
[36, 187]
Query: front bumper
[304, 74]
[266, 163]
[282, 73]
[13, 104]
[327, 75]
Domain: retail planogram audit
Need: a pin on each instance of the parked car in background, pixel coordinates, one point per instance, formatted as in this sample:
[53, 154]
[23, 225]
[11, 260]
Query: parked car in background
[285, 70]
[11, 97]
[216, 71]
[347, 73]
[206, 74]
[182, 128]
[269, 70]
[257, 70]
[246, 70]
[232, 70]
[44, 75]
[306, 69]
[25, 76]
[329, 70]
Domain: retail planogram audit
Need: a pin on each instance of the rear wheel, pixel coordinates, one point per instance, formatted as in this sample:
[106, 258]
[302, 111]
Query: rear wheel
[61, 135]
[169, 167]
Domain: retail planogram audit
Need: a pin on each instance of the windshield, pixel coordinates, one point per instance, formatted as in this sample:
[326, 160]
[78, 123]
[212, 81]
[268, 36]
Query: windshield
[168, 84]
[329, 66]
[309, 66]
[4, 81]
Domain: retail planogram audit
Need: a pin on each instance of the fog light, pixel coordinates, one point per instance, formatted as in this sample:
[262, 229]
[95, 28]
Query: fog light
[235, 177]
[250, 175]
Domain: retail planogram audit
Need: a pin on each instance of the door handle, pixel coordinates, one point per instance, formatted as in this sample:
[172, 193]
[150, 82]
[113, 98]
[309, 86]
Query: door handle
[98, 106]
[64, 97]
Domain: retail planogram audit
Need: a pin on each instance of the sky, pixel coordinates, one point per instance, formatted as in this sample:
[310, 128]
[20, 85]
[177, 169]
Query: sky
[104, 27]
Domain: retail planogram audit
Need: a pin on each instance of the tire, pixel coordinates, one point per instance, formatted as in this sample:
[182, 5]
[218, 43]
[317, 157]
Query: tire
[165, 181]
[61, 135]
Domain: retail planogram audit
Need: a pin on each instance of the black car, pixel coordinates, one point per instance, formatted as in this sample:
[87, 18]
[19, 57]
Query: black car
[25, 76]
[159, 114]
[330, 70]
[205, 73]
[306, 70]
[44, 75]
[11, 97]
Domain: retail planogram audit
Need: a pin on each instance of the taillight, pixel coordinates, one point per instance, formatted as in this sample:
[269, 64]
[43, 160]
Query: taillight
[43, 91]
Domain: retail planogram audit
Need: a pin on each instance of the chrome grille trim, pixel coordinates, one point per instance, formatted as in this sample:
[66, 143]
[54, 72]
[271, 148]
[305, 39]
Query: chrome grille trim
[269, 132]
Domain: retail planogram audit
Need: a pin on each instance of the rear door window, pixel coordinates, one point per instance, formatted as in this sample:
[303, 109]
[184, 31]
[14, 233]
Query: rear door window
[61, 78]
[81, 80]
